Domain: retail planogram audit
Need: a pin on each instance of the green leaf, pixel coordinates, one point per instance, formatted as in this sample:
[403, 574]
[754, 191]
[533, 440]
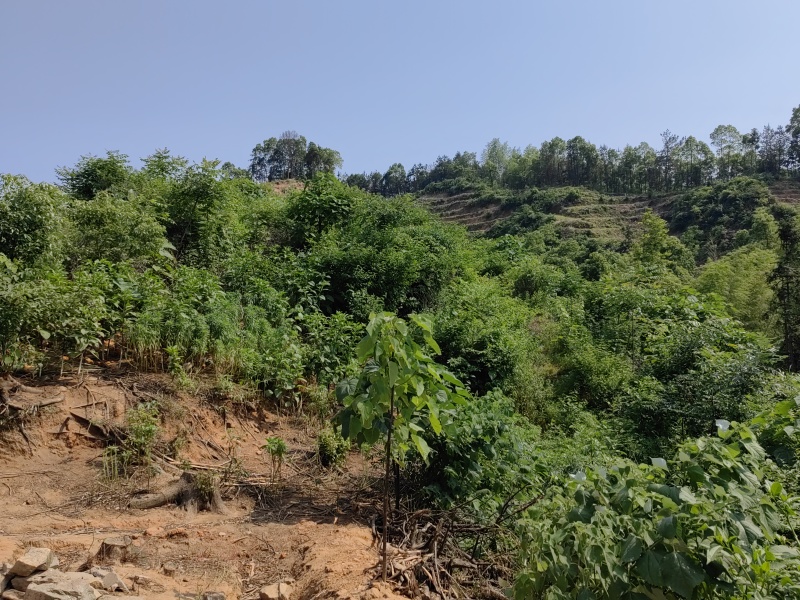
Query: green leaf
[432, 343]
[393, 373]
[668, 527]
[365, 348]
[649, 568]
[345, 388]
[422, 322]
[422, 446]
[681, 574]
[631, 549]
[659, 463]
[435, 423]
[44, 333]
[450, 378]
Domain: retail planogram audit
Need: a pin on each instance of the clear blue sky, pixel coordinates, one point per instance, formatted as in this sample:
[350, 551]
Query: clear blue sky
[382, 81]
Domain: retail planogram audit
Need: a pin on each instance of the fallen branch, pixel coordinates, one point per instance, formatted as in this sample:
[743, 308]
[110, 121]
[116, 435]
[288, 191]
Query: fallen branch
[31, 408]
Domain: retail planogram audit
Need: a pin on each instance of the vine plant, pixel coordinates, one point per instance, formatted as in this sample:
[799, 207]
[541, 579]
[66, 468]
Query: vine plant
[401, 395]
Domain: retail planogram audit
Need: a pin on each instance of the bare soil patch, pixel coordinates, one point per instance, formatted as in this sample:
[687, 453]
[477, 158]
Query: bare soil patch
[311, 525]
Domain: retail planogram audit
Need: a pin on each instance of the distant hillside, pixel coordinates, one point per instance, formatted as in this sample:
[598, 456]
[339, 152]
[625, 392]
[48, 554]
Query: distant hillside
[575, 211]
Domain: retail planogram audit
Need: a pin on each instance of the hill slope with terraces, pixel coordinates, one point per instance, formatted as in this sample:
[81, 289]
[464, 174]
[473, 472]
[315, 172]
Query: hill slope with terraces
[605, 217]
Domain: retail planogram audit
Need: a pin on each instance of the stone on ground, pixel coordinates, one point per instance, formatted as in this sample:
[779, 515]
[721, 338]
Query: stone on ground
[34, 559]
[276, 591]
[114, 548]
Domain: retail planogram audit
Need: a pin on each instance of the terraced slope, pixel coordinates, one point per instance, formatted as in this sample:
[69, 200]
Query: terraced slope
[601, 216]
[787, 192]
[607, 219]
[463, 209]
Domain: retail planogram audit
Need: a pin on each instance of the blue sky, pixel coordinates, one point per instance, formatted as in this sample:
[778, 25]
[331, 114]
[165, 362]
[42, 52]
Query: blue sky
[381, 81]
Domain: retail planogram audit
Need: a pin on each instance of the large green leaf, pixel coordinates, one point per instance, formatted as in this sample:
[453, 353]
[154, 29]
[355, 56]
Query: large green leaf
[649, 568]
[365, 348]
[668, 527]
[681, 574]
[631, 549]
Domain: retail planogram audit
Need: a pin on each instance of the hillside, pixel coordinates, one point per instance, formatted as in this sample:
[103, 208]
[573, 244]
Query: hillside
[601, 216]
[604, 217]
[242, 384]
[308, 527]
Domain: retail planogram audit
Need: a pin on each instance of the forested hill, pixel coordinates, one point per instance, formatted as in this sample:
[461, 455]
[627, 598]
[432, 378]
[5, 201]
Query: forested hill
[569, 392]
[587, 189]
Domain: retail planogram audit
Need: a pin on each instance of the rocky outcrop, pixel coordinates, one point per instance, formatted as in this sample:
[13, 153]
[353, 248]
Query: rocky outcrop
[33, 577]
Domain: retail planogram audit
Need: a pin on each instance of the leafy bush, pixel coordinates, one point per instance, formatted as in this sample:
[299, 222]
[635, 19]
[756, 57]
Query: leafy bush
[31, 221]
[117, 230]
[706, 524]
[332, 448]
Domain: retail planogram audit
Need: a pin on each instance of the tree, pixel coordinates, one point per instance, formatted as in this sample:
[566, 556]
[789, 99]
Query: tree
[417, 178]
[666, 158]
[394, 180]
[727, 141]
[751, 143]
[793, 129]
[324, 202]
[259, 160]
[93, 174]
[401, 393]
[494, 160]
[228, 170]
[521, 171]
[31, 220]
[694, 163]
[287, 159]
[320, 160]
[774, 150]
[786, 283]
[161, 164]
[581, 159]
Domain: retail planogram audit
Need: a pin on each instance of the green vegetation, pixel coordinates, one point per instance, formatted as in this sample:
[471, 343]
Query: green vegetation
[622, 410]
[332, 448]
[136, 448]
[276, 448]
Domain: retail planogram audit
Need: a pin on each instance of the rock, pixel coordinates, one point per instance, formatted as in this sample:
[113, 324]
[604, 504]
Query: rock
[53, 577]
[114, 548]
[112, 583]
[276, 591]
[12, 595]
[100, 573]
[169, 569]
[212, 596]
[34, 559]
[5, 576]
[65, 589]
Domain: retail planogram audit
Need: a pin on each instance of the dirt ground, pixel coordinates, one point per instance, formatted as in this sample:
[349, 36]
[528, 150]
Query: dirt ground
[308, 524]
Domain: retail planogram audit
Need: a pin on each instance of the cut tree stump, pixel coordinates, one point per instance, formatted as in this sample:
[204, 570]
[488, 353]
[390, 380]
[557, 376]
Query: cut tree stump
[183, 492]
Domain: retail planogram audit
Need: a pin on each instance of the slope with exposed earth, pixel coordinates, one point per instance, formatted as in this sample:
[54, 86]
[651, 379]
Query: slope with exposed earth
[308, 525]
